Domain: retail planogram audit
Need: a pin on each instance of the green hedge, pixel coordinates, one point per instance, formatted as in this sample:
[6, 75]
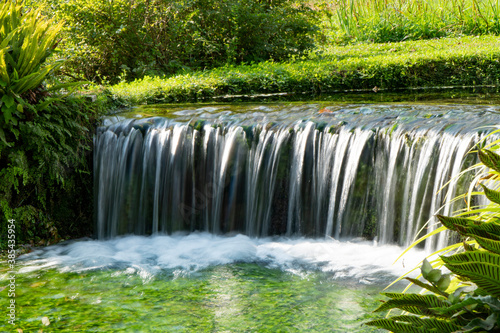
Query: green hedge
[467, 61]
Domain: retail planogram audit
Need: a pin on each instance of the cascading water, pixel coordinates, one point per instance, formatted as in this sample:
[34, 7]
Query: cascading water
[345, 172]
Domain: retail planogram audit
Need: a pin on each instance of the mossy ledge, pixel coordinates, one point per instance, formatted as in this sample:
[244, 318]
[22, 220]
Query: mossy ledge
[464, 61]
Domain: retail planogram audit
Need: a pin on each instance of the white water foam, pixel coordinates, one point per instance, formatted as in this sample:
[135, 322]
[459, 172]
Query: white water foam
[360, 260]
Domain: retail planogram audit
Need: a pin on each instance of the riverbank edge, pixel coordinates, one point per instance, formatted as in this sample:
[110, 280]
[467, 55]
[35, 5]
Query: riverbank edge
[456, 62]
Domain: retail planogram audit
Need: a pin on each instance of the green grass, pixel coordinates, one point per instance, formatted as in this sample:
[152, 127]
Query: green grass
[465, 61]
[397, 20]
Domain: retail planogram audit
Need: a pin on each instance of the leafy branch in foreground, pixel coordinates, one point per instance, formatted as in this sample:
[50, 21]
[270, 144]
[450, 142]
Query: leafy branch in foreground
[471, 303]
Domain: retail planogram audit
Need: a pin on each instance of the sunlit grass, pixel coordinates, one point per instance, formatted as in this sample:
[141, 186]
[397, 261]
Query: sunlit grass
[465, 61]
[397, 20]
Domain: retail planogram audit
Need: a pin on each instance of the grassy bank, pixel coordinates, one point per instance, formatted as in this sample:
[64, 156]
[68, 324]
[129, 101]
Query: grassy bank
[465, 61]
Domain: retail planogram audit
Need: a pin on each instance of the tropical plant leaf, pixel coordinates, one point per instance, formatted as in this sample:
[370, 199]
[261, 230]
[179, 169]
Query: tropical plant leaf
[452, 222]
[481, 267]
[2, 137]
[469, 247]
[489, 159]
[467, 302]
[492, 195]
[414, 303]
[478, 228]
[409, 323]
[481, 324]
[396, 326]
[441, 325]
[479, 232]
[427, 286]
[489, 244]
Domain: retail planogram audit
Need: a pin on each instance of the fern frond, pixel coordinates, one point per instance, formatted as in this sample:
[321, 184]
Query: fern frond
[408, 323]
[490, 159]
[414, 303]
[489, 244]
[481, 267]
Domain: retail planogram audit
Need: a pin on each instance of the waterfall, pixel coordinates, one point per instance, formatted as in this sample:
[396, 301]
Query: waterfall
[377, 172]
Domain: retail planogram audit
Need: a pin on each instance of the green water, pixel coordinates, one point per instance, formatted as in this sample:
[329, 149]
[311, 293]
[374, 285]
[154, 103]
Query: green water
[228, 298]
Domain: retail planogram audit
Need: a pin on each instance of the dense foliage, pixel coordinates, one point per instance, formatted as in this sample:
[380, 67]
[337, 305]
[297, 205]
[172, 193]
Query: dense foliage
[472, 303]
[126, 39]
[120, 40]
[45, 180]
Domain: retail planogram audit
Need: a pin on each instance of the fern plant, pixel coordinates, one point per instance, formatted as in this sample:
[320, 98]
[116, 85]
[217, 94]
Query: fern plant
[472, 303]
[45, 142]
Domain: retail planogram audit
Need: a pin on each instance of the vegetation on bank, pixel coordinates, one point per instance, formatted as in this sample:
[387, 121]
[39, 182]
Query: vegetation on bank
[465, 61]
[108, 41]
[123, 40]
[45, 139]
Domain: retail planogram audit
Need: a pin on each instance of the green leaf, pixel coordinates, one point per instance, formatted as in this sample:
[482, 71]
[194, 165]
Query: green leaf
[444, 282]
[488, 244]
[7, 113]
[426, 268]
[408, 323]
[395, 326]
[460, 306]
[427, 286]
[8, 100]
[434, 276]
[481, 267]
[452, 222]
[492, 195]
[414, 303]
[479, 323]
[490, 159]
[2, 137]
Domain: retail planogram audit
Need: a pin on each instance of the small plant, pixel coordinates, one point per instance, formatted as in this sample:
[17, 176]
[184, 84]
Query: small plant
[469, 302]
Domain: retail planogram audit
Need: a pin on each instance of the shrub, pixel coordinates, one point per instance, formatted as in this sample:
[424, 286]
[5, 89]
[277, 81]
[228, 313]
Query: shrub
[128, 39]
[466, 61]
